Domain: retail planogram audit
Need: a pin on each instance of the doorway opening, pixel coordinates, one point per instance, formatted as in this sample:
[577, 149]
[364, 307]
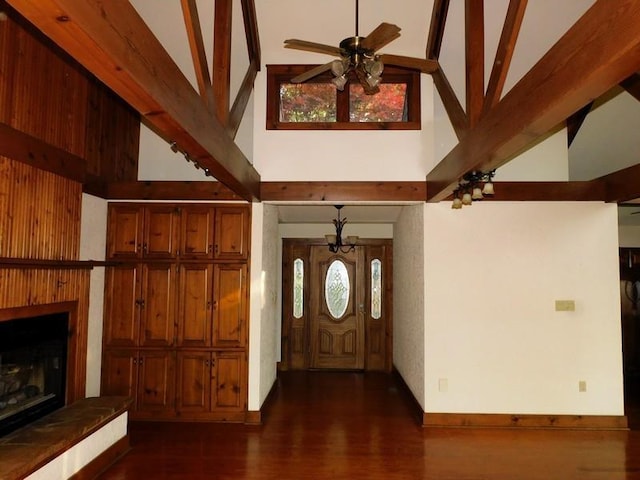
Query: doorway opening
[337, 306]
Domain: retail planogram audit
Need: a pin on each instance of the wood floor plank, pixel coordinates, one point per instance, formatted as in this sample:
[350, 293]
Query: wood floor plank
[330, 425]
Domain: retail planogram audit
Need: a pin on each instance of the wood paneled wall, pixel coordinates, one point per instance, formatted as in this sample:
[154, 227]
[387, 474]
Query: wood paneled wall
[40, 219]
[46, 94]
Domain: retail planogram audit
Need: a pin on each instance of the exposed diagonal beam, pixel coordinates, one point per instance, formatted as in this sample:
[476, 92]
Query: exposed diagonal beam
[113, 42]
[632, 85]
[455, 112]
[200, 64]
[251, 30]
[575, 121]
[222, 58]
[436, 29]
[474, 58]
[599, 51]
[242, 98]
[504, 53]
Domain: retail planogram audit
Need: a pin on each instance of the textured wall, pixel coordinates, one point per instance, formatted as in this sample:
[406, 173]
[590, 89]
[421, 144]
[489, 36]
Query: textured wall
[409, 298]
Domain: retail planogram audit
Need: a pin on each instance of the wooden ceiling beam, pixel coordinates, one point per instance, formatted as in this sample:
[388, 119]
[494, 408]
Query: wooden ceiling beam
[621, 186]
[436, 28]
[599, 51]
[632, 85]
[504, 53]
[474, 58]
[343, 191]
[113, 42]
[222, 58]
[32, 151]
[169, 190]
[575, 121]
[242, 99]
[251, 30]
[457, 116]
[196, 44]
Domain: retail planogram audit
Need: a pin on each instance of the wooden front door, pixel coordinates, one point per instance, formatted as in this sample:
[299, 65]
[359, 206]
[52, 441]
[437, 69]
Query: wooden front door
[337, 334]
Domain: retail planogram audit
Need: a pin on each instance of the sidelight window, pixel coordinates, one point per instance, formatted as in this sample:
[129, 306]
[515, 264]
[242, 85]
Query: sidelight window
[298, 288]
[336, 289]
[376, 289]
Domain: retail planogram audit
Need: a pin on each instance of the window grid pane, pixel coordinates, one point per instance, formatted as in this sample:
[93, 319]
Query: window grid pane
[307, 102]
[389, 105]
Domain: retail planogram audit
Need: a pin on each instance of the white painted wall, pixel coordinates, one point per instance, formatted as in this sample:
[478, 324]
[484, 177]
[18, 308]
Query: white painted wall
[340, 155]
[93, 239]
[81, 454]
[493, 272]
[409, 299]
[264, 322]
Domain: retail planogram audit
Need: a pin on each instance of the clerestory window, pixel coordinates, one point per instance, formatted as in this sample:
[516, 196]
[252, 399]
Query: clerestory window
[318, 105]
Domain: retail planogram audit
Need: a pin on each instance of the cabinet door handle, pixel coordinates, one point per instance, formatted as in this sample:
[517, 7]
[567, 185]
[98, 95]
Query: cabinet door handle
[210, 248]
[144, 247]
[140, 302]
[209, 305]
[216, 249]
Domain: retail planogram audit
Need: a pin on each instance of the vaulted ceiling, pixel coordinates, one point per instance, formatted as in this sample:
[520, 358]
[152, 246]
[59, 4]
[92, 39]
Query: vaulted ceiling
[599, 52]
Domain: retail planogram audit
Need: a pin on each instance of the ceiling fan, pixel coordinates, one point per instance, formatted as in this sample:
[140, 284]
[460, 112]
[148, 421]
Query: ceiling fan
[359, 55]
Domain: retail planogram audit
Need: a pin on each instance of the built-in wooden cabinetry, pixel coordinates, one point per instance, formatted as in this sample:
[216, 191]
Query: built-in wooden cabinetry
[176, 311]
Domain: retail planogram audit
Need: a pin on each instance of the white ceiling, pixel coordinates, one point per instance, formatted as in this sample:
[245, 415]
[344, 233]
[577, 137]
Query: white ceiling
[355, 213]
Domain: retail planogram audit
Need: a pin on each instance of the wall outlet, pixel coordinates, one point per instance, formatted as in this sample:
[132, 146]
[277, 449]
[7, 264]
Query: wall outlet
[443, 385]
[582, 386]
[565, 305]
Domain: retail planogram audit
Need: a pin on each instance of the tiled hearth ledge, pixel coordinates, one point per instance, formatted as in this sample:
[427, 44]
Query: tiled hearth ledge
[36, 447]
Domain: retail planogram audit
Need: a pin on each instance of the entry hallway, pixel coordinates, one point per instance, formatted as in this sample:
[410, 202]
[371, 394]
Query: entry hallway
[329, 425]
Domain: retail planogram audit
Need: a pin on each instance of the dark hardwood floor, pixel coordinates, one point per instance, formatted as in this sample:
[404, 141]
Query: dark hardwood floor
[334, 426]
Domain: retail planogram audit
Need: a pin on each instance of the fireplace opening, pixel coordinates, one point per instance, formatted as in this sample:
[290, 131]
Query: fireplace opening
[33, 368]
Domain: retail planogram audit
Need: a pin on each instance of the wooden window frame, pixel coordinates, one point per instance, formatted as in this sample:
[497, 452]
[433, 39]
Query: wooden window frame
[278, 74]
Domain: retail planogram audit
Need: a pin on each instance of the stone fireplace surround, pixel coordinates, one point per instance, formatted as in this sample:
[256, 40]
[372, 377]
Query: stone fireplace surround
[78, 440]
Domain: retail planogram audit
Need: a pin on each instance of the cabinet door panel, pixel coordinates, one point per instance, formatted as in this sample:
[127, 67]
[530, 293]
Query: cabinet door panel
[161, 231]
[232, 233]
[230, 305]
[228, 388]
[157, 312]
[156, 380]
[119, 373]
[194, 382]
[124, 239]
[195, 311]
[122, 305]
[197, 232]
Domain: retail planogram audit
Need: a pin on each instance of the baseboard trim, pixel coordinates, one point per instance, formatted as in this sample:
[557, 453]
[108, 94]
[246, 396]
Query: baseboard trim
[103, 461]
[499, 420]
[507, 420]
[254, 417]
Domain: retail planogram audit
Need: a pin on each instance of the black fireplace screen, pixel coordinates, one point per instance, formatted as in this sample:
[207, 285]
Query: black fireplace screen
[33, 367]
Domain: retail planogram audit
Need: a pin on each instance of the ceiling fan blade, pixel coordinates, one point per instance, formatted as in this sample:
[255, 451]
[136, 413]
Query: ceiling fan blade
[311, 47]
[303, 77]
[422, 64]
[381, 35]
[368, 89]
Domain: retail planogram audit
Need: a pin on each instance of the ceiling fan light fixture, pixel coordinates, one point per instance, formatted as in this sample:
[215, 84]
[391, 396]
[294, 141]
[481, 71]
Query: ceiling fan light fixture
[373, 81]
[373, 67]
[338, 68]
[339, 82]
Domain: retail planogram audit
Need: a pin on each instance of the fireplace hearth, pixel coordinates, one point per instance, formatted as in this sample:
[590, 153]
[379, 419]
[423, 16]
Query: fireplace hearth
[33, 368]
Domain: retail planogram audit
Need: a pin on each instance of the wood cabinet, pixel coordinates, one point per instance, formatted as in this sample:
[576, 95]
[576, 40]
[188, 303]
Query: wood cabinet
[176, 310]
[211, 383]
[139, 305]
[147, 376]
[142, 232]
